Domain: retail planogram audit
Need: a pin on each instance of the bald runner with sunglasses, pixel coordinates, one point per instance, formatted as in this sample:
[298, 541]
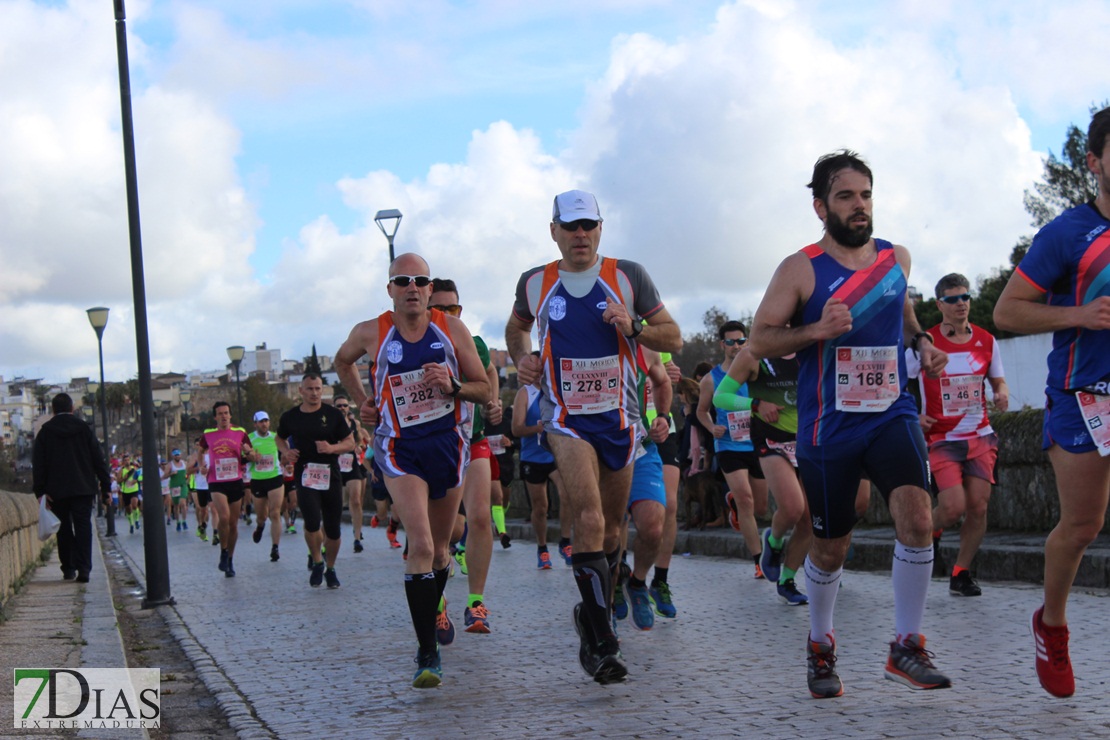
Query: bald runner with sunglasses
[588, 312]
[416, 402]
[962, 445]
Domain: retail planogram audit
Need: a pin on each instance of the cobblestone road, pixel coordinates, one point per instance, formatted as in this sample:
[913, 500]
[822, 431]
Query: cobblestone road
[292, 661]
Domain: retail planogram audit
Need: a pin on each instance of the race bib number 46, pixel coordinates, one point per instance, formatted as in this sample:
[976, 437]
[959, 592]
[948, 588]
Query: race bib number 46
[590, 386]
[961, 395]
[866, 378]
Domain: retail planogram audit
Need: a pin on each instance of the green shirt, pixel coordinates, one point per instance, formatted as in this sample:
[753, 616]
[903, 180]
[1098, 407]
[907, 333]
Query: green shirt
[267, 448]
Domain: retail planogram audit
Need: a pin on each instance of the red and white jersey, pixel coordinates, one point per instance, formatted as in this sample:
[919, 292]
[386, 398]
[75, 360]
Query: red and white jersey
[958, 399]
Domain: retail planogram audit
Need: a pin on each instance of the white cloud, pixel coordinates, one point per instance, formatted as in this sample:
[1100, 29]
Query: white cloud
[698, 148]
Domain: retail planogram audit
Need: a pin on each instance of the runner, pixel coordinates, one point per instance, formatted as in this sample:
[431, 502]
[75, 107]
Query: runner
[227, 446]
[841, 304]
[537, 467]
[589, 312]
[732, 441]
[480, 517]
[177, 470]
[267, 486]
[962, 445]
[203, 496]
[1061, 286]
[647, 501]
[773, 385]
[351, 470]
[312, 436]
[418, 357]
[129, 489]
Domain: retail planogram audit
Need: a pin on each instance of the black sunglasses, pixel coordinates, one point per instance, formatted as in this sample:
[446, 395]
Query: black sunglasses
[734, 342]
[584, 223]
[402, 281]
[961, 298]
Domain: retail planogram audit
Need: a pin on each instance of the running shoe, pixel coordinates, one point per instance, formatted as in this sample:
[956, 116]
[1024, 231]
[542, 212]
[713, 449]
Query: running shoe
[911, 664]
[642, 615]
[620, 606]
[317, 576]
[331, 578]
[733, 512]
[759, 573]
[392, 537]
[789, 593]
[1053, 664]
[770, 560]
[257, 535]
[311, 562]
[230, 572]
[940, 569]
[429, 673]
[274, 554]
[184, 526]
[543, 560]
[964, 585]
[215, 538]
[460, 558]
[506, 541]
[290, 529]
[223, 560]
[566, 551]
[203, 534]
[373, 521]
[358, 545]
[610, 664]
[445, 628]
[476, 619]
[587, 656]
[660, 594]
[821, 670]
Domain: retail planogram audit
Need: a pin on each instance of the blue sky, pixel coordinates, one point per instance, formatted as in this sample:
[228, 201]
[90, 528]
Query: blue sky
[268, 134]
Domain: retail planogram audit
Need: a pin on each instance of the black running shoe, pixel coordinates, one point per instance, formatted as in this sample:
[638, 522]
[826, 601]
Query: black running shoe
[223, 560]
[610, 664]
[358, 546]
[317, 576]
[274, 554]
[964, 585]
[331, 578]
[821, 675]
[257, 535]
[506, 541]
[230, 572]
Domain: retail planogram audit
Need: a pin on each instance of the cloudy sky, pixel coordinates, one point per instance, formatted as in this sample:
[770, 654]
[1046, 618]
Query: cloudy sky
[269, 132]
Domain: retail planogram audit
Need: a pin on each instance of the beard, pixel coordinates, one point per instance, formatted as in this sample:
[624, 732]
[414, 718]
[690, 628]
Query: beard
[849, 236]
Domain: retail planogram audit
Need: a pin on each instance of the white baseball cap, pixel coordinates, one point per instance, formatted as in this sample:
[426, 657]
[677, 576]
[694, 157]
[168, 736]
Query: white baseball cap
[574, 205]
[261, 416]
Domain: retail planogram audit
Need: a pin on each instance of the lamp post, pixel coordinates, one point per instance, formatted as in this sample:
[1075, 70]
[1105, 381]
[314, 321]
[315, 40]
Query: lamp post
[389, 221]
[186, 397]
[98, 318]
[235, 354]
[157, 409]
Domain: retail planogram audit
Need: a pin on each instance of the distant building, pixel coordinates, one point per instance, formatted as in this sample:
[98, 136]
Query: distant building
[262, 360]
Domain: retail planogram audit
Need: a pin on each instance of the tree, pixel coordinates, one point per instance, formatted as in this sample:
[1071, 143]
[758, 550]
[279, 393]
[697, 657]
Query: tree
[703, 346]
[312, 363]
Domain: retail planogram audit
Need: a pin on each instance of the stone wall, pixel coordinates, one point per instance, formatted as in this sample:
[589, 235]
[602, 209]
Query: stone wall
[19, 539]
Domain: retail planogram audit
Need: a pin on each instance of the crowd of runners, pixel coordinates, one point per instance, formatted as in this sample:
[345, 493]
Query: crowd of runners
[808, 407]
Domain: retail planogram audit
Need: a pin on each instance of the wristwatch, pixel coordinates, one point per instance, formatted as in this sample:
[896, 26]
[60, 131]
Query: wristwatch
[637, 329]
[917, 338]
[456, 386]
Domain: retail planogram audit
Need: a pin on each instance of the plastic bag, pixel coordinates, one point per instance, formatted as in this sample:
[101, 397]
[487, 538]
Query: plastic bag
[48, 523]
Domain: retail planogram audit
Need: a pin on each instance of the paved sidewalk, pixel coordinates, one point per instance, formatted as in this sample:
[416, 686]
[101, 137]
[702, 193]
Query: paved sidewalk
[287, 660]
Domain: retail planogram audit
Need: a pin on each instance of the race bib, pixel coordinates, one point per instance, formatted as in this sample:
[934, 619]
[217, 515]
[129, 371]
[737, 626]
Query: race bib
[227, 468]
[739, 426]
[496, 444]
[866, 378]
[416, 400]
[266, 464]
[346, 462]
[316, 476]
[787, 449]
[590, 386]
[961, 395]
[1095, 410]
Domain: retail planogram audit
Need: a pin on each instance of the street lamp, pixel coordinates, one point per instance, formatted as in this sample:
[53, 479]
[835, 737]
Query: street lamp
[235, 354]
[186, 397]
[389, 221]
[98, 318]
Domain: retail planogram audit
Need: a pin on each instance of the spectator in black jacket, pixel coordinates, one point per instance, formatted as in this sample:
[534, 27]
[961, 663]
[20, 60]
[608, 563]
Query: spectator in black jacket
[67, 464]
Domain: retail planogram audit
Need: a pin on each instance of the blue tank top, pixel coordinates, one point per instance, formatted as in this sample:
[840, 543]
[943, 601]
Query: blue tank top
[530, 448]
[725, 443]
[876, 297]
